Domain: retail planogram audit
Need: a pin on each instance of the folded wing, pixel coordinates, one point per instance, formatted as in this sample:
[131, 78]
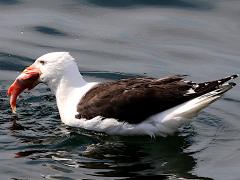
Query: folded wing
[134, 100]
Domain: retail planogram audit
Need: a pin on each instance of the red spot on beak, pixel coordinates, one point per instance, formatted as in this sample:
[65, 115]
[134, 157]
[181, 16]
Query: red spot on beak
[28, 79]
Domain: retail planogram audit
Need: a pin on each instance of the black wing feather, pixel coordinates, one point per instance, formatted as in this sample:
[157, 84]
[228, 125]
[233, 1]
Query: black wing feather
[135, 99]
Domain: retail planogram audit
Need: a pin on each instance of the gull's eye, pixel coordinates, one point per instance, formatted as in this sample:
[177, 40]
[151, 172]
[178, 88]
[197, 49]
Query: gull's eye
[42, 62]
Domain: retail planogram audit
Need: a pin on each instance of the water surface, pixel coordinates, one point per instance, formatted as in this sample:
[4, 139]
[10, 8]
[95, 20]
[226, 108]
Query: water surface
[113, 40]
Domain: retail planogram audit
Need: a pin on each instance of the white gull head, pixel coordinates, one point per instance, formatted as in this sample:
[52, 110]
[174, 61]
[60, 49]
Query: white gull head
[56, 67]
[60, 72]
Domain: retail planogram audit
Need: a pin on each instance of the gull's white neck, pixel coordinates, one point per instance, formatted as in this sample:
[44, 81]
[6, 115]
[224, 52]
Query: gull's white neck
[69, 88]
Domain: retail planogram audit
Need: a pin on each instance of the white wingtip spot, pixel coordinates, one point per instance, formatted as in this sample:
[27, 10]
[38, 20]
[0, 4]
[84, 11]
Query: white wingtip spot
[190, 91]
[196, 86]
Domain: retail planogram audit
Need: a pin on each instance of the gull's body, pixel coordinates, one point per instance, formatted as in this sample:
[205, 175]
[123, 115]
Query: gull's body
[137, 106]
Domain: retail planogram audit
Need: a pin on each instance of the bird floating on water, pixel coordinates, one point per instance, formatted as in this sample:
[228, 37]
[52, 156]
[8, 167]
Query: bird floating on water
[134, 106]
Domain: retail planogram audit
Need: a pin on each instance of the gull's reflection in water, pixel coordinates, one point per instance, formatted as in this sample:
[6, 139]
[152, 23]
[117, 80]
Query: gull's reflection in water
[15, 125]
[141, 156]
[124, 157]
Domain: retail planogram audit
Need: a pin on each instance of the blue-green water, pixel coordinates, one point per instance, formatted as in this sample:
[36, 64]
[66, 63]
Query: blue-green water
[113, 40]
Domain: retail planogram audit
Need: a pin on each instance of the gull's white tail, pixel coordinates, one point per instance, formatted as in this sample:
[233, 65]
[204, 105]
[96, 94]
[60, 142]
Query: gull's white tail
[175, 117]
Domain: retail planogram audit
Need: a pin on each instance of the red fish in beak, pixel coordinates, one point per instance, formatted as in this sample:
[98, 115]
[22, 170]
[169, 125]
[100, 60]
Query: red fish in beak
[28, 79]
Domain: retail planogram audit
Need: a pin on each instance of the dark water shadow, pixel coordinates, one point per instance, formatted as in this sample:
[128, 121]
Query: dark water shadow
[9, 2]
[15, 125]
[13, 62]
[197, 5]
[49, 31]
[109, 75]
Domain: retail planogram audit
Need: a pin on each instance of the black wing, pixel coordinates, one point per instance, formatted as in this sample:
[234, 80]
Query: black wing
[135, 99]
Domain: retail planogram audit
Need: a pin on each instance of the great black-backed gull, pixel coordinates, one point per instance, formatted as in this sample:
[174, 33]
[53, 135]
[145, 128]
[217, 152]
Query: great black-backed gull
[134, 106]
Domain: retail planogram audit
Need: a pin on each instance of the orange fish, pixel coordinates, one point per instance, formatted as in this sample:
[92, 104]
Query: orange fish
[28, 79]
